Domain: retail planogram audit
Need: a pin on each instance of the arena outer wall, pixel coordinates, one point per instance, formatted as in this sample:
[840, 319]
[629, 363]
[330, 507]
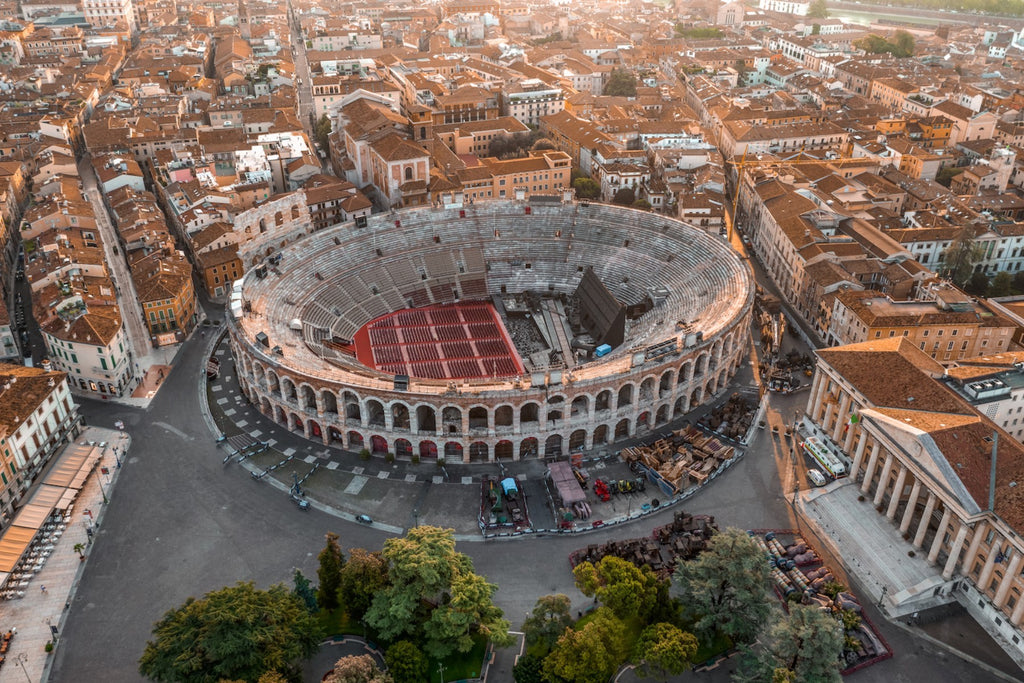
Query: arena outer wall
[502, 418]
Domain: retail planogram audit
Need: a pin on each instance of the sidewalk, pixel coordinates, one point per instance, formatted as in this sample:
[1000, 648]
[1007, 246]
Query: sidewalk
[34, 614]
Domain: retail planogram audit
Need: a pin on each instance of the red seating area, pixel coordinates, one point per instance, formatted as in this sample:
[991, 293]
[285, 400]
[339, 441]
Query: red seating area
[465, 340]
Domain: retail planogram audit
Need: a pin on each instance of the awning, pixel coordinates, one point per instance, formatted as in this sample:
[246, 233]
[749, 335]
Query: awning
[13, 545]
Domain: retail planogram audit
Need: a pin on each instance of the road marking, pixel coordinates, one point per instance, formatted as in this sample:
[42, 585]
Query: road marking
[241, 423]
[410, 478]
[216, 387]
[467, 480]
[383, 475]
[229, 412]
[357, 470]
[355, 486]
[438, 479]
[255, 433]
[332, 465]
[310, 459]
[289, 451]
[221, 401]
[174, 430]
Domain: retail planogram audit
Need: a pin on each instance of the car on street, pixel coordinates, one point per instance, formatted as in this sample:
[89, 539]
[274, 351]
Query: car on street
[365, 519]
[816, 477]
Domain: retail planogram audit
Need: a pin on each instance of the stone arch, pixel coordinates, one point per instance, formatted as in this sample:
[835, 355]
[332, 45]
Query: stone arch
[663, 415]
[577, 440]
[625, 397]
[600, 436]
[504, 416]
[528, 447]
[647, 390]
[426, 420]
[553, 446]
[478, 418]
[334, 435]
[680, 407]
[403, 448]
[451, 420]
[307, 396]
[555, 409]
[400, 416]
[428, 449]
[259, 375]
[504, 450]
[355, 440]
[530, 412]
[295, 213]
[622, 429]
[701, 366]
[641, 422]
[697, 396]
[353, 409]
[288, 392]
[453, 451]
[479, 451]
[295, 423]
[685, 370]
[374, 413]
[315, 432]
[378, 444]
[266, 408]
[665, 385]
[278, 219]
[580, 406]
[603, 401]
[273, 383]
[329, 401]
[280, 417]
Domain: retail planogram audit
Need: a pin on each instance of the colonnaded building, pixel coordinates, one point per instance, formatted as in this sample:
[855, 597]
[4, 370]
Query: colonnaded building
[496, 330]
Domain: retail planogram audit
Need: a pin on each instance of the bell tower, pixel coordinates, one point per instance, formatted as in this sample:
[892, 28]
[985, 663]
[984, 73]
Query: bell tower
[243, 20]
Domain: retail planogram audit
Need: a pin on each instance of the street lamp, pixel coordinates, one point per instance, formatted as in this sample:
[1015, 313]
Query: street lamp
[440, 668]
[99, 480]
[21, 659]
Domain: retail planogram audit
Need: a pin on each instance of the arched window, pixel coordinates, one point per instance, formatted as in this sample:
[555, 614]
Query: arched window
[408, 172]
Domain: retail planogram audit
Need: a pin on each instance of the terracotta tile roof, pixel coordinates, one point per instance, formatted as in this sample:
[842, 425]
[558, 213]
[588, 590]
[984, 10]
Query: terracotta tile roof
[22, 390]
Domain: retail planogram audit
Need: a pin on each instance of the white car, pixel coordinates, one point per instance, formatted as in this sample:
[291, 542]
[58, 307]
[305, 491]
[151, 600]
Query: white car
[816, 477]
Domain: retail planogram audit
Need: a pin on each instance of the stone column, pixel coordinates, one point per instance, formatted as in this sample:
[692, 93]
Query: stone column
[897, 494]
[1018, 612]
[972, 550]
[1007, 582]
[954, 553]
[908, 513]
[814, 400]
[990, 563]
[869, 473]
[858, 458]
[850, 434]
[922, 526]
[883, 480]
[940, 534]
[844, 409]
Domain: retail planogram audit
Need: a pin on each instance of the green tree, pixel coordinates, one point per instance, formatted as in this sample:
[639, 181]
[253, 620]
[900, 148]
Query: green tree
[529, 669]
[586, 188]
[642, 204]
[406, 662]
[329, 573]
[547, 622]
[1002, 284]
[322, 131]
[960, 256]
[665, 650]
[627, 590]
[237, 632]
[363, 575]
[357, 669]
[624, 197]
[946, 174]
[803, 646]
[621, 83]
[726, 587]
[590, 654]
[818, 10]
[978, 284]
[434, 595]
[303, 589]
[904, 44]
[272, 677]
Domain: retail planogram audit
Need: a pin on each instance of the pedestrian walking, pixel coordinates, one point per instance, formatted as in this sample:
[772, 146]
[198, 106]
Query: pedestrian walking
[42, 588]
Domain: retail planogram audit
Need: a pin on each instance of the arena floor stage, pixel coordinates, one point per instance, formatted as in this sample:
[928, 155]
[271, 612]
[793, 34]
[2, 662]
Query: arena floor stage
[464, 340]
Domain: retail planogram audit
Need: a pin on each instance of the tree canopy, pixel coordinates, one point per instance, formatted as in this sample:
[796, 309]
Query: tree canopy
[726, 587]
[803, 647]
[406, 662]
[329, 573]
[322, 131]
[237, 632]
[590, 654]
[665, 650]
[363, 575]
[901, 45]
[627, 590]
[586, 188]
[818, 10]
[547, 622]
[960, 256]
[433, 595]
[621, 83]
[303, 588]
[357, 669]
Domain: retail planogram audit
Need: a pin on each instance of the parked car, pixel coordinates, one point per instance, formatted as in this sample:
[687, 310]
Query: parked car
[365, 519]
[816, 477]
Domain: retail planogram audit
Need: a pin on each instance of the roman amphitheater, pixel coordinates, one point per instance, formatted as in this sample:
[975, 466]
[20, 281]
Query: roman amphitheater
[499, 330]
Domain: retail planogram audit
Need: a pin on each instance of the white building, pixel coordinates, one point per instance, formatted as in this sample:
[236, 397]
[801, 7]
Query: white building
[531, 99]
[89, 343]
[786, 6]
[100, 13]
[37, 415]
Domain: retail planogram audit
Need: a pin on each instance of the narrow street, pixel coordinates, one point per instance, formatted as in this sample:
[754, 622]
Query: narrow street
[127, 297]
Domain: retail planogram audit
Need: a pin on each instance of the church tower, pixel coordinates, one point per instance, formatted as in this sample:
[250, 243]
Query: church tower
[243, 19]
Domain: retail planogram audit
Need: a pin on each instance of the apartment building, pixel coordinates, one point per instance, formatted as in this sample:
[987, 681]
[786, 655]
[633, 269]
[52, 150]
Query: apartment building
[37, 416]
[530, 99]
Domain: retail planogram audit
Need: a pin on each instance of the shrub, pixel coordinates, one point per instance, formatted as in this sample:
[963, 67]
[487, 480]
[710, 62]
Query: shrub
[832, 589]
[390, 457]
[49, 646]
[364, 454]
[415, 459]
